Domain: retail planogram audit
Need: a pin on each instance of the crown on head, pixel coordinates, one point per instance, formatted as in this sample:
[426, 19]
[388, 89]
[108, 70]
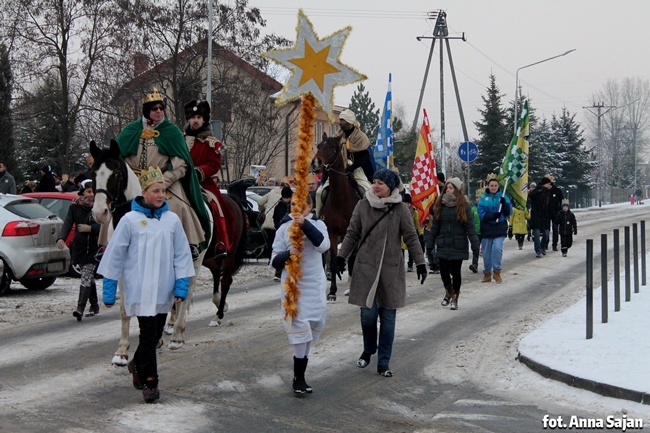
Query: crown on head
[155, 96]
[491, 176]
[565, 201]
[151, 176]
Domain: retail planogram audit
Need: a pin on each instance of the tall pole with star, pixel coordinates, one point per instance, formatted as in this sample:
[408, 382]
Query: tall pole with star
[315, 71]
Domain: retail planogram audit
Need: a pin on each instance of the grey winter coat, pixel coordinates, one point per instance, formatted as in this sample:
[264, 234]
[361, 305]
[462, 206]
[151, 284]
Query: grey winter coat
[451, 236]
[379, 267]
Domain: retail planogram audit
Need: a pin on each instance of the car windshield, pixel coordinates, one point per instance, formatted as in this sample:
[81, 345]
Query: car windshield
[28, 209]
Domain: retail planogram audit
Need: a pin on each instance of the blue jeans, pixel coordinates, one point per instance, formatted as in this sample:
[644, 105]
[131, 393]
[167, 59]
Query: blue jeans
[540, 243]
[492, 253]
[386, 331]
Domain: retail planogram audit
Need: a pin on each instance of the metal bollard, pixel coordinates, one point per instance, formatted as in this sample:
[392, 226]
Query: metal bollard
[635, 249]
[603, 277]
[643, 253]
[590, 288]
[617, 271]
[628, 295]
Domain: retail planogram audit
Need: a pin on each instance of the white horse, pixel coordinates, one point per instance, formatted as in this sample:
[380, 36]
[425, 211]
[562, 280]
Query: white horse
[115, 186]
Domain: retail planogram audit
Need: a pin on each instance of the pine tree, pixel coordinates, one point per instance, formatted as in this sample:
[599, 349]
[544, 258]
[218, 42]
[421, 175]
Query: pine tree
[367, 115]
[577, 164]
[543, 153]
[494, 134]
[7, 149]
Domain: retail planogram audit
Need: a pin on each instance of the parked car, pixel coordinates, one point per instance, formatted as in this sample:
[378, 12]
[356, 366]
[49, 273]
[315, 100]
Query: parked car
[28, 251]
[260, 190]
[59, 203]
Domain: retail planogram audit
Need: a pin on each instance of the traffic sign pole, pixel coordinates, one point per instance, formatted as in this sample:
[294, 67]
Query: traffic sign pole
[468, 152]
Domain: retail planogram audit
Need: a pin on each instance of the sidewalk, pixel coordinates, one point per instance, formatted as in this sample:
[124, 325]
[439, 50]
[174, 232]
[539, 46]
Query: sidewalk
[614, 363]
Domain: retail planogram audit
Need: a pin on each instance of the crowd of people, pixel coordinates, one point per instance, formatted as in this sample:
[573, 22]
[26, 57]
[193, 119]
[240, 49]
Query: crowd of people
[177, 172]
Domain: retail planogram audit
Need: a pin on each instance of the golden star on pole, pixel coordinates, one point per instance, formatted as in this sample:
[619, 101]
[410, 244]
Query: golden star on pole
[315, 66]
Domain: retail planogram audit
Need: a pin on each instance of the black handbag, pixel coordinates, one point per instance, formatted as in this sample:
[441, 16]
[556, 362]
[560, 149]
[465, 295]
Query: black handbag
[353, 256]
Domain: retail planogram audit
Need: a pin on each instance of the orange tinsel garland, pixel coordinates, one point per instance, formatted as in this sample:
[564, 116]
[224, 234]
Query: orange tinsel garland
[303, 159]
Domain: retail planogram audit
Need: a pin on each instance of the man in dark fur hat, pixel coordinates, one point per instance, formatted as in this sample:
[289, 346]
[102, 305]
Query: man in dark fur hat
[205, 151]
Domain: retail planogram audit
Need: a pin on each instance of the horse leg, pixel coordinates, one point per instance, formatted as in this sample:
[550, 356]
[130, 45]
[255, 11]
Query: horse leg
[331, 297]
[182, 308]
[121, 357]
[216, 294]
[171, 319]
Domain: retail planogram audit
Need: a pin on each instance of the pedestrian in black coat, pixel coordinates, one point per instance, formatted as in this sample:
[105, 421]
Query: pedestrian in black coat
[84, 246]
[283, 207]
[567, 227]
[540, 216]
[554, 205]
[47, 183]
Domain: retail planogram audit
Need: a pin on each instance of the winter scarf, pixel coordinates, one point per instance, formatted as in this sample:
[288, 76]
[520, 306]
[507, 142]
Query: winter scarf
[382, 203]
[449, 199]
[86, 202]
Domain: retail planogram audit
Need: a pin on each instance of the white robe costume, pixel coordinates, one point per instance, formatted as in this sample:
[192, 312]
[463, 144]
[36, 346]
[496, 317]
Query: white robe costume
[148, 255]
[312, 304]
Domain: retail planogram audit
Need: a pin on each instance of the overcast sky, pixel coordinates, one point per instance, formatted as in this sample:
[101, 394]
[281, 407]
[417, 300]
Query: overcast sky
[609, 38]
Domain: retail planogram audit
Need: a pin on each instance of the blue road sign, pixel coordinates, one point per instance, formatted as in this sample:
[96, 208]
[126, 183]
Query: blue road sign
[467, 151]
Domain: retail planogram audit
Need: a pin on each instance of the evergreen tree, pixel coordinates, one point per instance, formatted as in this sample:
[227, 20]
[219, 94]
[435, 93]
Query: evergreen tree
[543, 153]
[577, 164]
[7, 137]
[367, 114]
[494, 134]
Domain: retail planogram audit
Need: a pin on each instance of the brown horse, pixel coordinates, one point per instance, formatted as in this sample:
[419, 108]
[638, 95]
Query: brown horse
[116, 185]
[341, 199]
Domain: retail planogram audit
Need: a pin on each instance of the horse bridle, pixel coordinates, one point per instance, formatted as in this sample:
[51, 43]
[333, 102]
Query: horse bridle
[119, 177]
[329, 167]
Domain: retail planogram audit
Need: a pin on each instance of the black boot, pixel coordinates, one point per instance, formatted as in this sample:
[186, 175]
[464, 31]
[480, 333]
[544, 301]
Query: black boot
[84, 293]
[299, 384]
[94, 303]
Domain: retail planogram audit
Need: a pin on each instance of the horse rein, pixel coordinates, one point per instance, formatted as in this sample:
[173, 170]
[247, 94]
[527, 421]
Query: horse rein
[329, 167]
[113, 199]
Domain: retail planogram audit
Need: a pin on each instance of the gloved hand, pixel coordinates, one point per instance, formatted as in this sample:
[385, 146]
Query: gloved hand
[60, 244]
[575, 232]
[422, 272]
[84, 228]
[510, 232]
[340, 266]
[199, 174]
[502, 200]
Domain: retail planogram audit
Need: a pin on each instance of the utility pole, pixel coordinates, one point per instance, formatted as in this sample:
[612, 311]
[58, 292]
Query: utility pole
[441, 32]
[599, 107]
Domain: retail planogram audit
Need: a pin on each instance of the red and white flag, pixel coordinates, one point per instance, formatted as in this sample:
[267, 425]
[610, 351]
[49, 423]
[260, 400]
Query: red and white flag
[424, 179]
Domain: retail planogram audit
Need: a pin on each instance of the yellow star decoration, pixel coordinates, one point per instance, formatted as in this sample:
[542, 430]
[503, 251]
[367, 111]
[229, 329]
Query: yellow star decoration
[315, 66]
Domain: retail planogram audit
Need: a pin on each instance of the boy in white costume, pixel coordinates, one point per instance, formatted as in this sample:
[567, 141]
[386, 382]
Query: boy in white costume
[312, 304]
[150, 254]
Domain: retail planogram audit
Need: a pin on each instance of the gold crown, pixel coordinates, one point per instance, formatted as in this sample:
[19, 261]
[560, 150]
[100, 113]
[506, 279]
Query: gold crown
[151, 176]
[565, 201]
[153, 97]
[491, 176]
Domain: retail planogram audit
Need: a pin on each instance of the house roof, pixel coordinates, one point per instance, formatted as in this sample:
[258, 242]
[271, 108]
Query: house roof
[144, 79]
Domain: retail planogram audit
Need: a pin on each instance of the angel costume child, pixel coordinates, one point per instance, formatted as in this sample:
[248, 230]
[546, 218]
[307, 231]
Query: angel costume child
[150, 254]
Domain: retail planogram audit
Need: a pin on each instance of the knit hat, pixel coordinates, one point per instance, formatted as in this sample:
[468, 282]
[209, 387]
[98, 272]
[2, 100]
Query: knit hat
[86, 183]
[544, 181]
[457, 183]
[389, 177]
[287, 192]
[151, 176]
[195, 107]
[441, 177]
[46, 169]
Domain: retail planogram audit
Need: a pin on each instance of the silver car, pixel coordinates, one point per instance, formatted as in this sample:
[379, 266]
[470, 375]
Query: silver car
[28, 251]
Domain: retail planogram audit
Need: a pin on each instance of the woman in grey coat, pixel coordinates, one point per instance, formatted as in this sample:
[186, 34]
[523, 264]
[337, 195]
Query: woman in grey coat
[453, 225]
[378, 284]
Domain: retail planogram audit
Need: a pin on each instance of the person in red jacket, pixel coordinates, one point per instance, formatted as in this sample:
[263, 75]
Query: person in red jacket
[205, 151]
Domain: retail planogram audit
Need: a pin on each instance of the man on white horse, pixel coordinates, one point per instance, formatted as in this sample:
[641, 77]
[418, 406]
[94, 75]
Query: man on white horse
[356, 151]
[205, 151]
[154, 141]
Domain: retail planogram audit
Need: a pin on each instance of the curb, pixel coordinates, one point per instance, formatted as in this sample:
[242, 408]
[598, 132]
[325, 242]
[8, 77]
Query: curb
[603, 389]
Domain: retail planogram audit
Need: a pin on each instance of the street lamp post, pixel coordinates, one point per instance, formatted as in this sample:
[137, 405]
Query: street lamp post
[517, 81]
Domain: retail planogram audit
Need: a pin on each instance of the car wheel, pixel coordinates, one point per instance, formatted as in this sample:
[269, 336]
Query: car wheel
[5, 279]
[38, 283]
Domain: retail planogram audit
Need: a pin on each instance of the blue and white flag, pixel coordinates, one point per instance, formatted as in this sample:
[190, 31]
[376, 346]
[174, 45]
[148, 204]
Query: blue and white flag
[384, 144]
